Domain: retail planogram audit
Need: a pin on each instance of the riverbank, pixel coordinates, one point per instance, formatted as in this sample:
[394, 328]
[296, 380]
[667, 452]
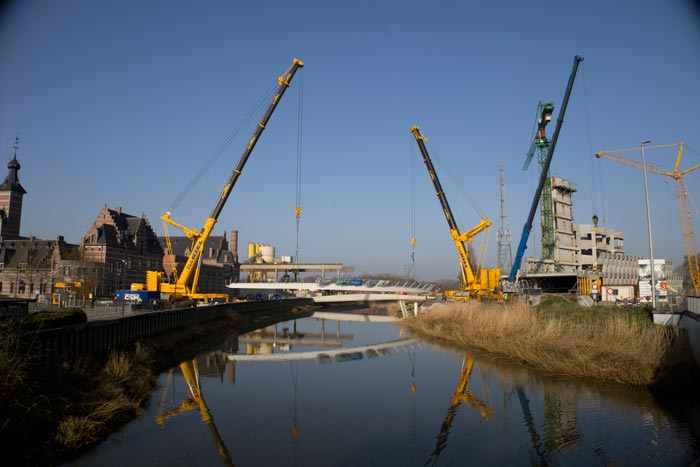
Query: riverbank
[608, 344]
[56, 409]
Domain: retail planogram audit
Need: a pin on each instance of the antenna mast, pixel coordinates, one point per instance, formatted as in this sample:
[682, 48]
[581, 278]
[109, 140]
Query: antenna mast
[505, 254]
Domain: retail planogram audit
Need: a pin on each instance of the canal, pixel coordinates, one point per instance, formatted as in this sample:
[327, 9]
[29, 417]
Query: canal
[355, 389]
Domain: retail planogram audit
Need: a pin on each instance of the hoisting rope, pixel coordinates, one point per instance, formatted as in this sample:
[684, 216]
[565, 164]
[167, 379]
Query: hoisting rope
[295, 381]
[596, 181]
[244, 123]
[297, 210]
[412, 162]
[481, 258]
[460, 186]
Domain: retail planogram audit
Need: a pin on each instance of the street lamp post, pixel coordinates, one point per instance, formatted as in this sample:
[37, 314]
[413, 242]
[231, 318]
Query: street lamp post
[123, 268]
[651, 245]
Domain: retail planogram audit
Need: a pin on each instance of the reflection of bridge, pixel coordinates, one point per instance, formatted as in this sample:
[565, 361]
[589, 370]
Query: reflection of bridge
[262, 342]
[321, 354]
[369, 291]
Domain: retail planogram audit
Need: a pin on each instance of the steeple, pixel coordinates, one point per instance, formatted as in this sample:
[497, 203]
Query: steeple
[11, 193]
[11, 182]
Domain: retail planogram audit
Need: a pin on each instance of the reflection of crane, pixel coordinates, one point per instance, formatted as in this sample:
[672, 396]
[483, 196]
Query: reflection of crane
[196, 400]
[509, 286]
[487, 281]
[534, 437]
[186, 282]
[540, 145]
[681, 195]
[461, 394]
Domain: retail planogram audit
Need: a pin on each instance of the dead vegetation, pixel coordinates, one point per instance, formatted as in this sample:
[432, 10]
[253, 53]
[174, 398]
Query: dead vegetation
[613, 345]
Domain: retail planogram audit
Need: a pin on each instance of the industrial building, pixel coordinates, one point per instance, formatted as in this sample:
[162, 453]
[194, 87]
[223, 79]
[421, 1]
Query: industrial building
[590, 254]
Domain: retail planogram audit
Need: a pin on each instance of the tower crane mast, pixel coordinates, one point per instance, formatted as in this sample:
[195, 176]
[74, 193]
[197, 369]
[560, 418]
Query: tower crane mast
[540, 145]
[682, 195]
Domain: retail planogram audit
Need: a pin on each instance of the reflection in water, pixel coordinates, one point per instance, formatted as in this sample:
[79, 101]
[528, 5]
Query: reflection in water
[190, 372]
[536, 452]
[362, 407]
[630, 428]
[461, 394]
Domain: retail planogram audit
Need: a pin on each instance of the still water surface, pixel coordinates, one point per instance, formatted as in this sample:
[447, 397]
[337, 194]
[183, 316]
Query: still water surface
[346, 390]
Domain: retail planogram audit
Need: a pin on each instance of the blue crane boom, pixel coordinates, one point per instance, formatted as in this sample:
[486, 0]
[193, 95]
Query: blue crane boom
[543, 176]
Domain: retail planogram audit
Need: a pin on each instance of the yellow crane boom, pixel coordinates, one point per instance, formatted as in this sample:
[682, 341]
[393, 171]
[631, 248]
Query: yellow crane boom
[484, 281]
[186, 280]
[681, 196]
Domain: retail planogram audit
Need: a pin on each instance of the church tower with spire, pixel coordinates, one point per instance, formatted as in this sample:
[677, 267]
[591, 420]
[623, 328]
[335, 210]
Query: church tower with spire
[11, 193]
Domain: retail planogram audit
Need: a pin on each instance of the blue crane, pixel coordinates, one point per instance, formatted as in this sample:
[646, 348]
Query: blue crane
[543, 176]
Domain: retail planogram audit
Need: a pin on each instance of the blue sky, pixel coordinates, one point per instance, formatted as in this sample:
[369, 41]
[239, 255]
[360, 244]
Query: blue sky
[122, 103]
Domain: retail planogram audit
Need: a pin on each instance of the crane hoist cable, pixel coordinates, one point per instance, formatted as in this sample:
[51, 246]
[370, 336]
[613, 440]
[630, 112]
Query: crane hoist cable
[596, 187]
[483, 248]
[460, 186]
[297, 209]
[412, 162]
[243, 124]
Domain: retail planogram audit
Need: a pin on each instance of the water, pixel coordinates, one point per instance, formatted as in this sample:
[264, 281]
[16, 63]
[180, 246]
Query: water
[376, 396]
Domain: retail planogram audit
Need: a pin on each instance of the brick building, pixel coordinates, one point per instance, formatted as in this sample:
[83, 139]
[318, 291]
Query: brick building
[116, 251]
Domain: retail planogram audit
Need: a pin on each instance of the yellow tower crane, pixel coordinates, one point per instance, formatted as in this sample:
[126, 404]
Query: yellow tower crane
[681, 195]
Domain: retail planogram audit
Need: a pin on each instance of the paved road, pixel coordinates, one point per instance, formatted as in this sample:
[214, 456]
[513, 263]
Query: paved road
[99, 312]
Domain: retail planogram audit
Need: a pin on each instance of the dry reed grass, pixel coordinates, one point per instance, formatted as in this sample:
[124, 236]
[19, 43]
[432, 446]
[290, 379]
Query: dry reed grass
[116, 395]
[612, 346]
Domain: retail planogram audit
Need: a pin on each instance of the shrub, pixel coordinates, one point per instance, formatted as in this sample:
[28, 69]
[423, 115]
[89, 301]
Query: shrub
[54, 319]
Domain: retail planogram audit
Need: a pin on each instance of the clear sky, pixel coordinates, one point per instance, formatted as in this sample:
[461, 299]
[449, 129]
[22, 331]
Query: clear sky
[122, 103]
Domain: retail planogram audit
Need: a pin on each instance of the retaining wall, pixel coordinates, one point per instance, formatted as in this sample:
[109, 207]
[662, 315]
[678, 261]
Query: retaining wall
[100, 335]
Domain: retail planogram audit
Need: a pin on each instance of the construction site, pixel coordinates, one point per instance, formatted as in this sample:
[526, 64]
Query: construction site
[121, 256]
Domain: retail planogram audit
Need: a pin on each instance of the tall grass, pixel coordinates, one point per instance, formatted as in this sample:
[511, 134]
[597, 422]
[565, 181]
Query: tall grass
[613, 345]
[51, 408]
[117, 392]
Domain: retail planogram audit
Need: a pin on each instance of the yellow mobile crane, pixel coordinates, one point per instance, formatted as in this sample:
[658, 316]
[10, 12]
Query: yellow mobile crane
[473, 286]
[190, 372]
[461, 394]
[681, 196]
[185, 285]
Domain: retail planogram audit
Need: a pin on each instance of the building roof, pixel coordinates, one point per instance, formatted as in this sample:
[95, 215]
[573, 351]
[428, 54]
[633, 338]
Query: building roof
[11, 182]
[113, 227]
[34, 253]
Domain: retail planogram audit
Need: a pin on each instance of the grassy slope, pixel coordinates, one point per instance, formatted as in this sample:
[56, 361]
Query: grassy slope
[560, 337]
